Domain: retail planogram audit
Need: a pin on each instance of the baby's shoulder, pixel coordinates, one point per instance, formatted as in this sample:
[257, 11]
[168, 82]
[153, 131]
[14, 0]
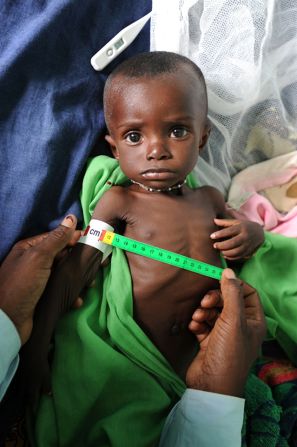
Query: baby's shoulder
[212, 195]
[118, 193]
[111, 204]
[209, 191]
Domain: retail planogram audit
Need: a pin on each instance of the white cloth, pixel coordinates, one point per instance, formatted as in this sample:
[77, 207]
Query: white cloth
[203, 419]
[247, 51]
[10, 344]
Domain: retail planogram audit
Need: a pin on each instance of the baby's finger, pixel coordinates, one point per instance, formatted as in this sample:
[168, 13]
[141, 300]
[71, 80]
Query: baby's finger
[225, 222]
[234, 254]
[226, 232]
[229, 244]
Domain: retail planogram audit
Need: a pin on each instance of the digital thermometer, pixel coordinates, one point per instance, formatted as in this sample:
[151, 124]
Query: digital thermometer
[118, 43]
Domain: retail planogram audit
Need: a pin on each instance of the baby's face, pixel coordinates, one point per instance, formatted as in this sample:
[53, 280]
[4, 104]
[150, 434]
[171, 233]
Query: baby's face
[157, 126]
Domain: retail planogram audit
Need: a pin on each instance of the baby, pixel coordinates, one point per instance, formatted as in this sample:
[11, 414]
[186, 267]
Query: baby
[156, 113]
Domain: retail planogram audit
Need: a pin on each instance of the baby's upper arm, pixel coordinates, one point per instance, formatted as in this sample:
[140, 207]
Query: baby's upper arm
[111, 208]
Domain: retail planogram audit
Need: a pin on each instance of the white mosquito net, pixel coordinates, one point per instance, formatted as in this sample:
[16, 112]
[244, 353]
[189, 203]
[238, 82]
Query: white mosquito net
[247, 50]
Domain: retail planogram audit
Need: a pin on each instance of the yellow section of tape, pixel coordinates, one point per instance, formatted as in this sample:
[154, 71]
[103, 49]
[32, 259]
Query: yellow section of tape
[108, 237]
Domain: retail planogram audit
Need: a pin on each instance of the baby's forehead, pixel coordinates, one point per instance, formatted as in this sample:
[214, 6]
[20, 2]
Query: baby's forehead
[172, 79]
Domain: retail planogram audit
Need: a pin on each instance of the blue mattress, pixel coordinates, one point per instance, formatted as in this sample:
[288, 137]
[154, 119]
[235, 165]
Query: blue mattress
[51, 117]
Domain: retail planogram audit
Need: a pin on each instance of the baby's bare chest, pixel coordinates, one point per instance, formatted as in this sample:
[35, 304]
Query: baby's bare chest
[180, 226]
[165, 296]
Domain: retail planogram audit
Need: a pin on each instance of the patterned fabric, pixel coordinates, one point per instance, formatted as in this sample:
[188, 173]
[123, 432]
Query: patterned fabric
[271, 405]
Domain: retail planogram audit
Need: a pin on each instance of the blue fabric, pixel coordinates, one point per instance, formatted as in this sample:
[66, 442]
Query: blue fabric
[51, 115]
[204, 419]
[9, 347]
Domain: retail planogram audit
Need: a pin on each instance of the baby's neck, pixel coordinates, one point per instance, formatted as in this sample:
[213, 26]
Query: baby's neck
[169, 189]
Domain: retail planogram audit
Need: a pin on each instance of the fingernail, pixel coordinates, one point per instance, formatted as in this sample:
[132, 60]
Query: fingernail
[68, 221]
[213, 235]
[229, 274]
[205, 298]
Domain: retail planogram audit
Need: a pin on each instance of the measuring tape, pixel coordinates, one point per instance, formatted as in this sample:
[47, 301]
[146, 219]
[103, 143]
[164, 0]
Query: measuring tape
[159, 254]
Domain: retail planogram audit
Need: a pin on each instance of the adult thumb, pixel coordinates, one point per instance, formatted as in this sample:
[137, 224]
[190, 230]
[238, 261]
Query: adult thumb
[58, 238]
[232, 293]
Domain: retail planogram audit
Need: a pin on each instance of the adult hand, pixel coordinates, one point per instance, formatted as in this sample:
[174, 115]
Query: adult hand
[230, 328]
[238, 239]
[26, 270]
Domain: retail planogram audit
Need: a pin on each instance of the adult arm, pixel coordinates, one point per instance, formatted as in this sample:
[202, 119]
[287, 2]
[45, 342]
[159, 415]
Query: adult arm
[23, 276]
[229, 339]
[72, 275]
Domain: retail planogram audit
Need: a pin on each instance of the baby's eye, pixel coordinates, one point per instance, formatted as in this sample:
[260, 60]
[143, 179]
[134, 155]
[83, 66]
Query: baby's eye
[179, 132]
[133, 137]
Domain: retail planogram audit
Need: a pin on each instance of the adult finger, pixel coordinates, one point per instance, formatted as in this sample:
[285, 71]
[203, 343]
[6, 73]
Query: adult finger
[21, 246]
[213, 298]
[232, 293]
[58, 238]
[76, 235]
[200, 330]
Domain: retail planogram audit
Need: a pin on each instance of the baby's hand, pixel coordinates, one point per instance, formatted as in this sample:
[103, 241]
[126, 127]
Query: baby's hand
[238, 239]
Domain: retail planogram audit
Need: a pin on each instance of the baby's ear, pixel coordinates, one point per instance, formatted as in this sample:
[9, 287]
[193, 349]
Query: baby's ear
[112, 145]
[205, 134]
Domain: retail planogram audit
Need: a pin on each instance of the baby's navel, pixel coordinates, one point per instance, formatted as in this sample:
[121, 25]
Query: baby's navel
[175, 329]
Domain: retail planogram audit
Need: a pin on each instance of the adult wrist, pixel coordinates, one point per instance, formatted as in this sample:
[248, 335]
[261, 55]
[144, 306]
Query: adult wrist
[228, 386]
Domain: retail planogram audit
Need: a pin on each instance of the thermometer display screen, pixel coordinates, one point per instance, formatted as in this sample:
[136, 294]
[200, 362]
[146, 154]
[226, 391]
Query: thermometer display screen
[119, 43]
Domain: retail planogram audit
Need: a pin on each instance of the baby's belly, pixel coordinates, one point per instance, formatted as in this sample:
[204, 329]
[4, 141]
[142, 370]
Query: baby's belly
[165, 299]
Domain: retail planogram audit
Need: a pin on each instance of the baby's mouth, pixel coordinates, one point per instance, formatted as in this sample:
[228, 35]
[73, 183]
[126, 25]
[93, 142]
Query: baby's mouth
[157, 174]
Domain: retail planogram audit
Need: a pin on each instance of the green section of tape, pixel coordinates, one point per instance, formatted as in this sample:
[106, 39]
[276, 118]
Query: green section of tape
[168, 257]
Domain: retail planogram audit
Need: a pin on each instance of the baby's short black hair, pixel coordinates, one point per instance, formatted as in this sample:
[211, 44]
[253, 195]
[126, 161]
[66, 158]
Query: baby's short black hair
[155, 63]
[150, 65]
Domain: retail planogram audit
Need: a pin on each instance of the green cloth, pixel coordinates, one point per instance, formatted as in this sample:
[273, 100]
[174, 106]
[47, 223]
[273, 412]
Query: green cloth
[273, 272]
[111, 386]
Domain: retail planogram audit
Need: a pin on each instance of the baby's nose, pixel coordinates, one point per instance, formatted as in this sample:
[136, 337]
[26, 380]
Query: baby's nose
[158, 151]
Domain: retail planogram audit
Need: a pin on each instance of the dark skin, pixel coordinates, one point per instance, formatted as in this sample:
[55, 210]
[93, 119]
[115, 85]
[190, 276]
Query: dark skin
[157, 136]
[26, 270]
[157, 287]
[229, 325]
[157, 127]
